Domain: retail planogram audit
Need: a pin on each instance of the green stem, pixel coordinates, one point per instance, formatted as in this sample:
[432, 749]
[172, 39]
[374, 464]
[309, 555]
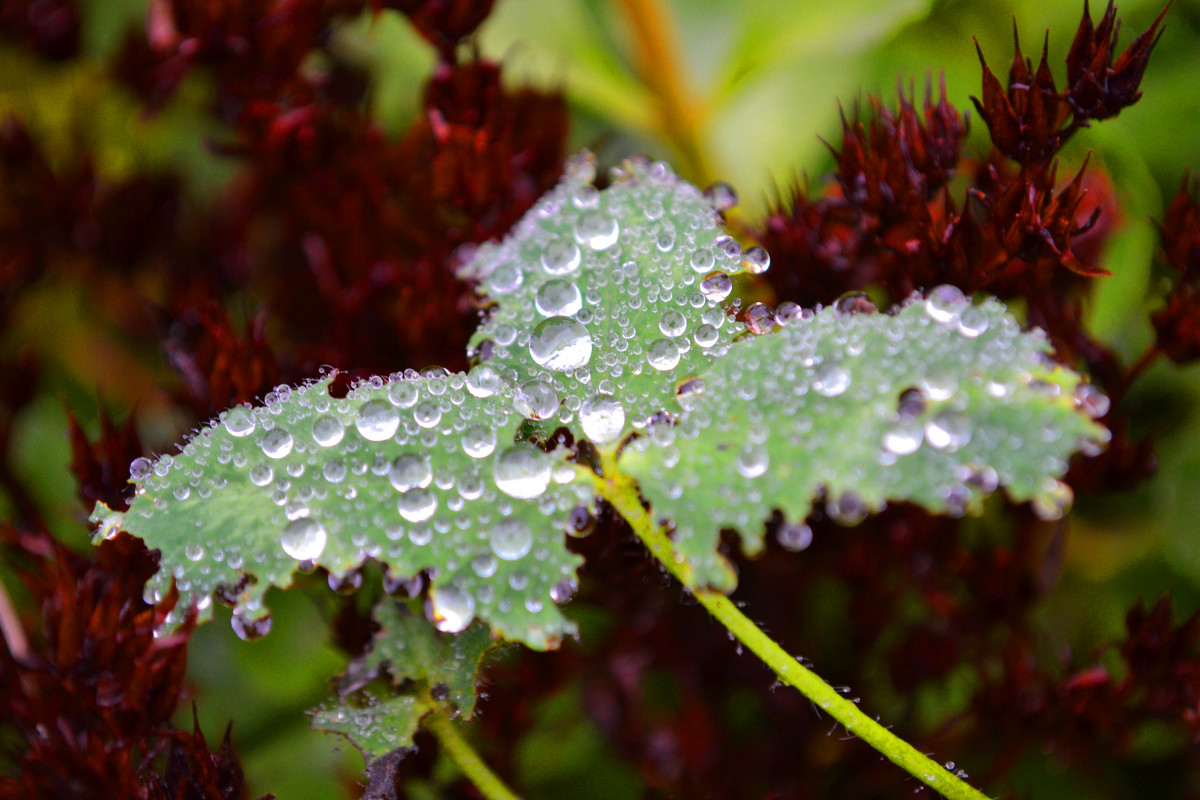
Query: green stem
[463, 754]
[622, 493]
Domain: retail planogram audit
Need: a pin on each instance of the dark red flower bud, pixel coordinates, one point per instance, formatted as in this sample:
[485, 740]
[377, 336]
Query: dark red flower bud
[444, 23]
[1097, 88]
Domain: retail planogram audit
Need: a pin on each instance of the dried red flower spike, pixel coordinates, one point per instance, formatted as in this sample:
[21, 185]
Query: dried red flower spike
[1180, 231]
[1097, 88]
[1026, 121]
[101, 468]
[194, 772]
[1178, 324]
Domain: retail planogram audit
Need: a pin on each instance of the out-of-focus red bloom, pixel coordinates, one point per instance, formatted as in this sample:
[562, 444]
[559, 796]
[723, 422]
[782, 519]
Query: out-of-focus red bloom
[1097, 88]
[49, 27]
[1178, 324]
[444, 23]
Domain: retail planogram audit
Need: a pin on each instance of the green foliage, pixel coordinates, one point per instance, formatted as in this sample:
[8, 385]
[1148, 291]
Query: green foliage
[938, 404]
[606, 301]
[609, 315]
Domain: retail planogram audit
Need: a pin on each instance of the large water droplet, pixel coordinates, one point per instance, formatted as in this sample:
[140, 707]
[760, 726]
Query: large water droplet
[478, 441]
[945, 303]
[140, 469]
[403, 394]
[721, 196]
[597, 230]
[522, 471]
[535, 400]
[716, 286]
[483, 381]
[557, 298]
[560, 343]
[973, 322]
[702, 260]
[261, 474]
[794, 536]
[511, 539]
[427, 414]
[831, 379]
[760, 318]
[450, 609]
[602, 418]
[303, 539]
[753, 460]
[757, 260]
[948, 430]
[560, 256]
[663, 354]
[904, 436]
[417, 505]
[327, 431]
[377, 420]
[277, 443]
[239, 421]
[672, 323]
[1092, 401]
[410, 471]
[505, 278]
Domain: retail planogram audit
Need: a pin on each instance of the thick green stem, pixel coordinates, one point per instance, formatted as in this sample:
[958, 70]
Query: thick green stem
[621, 492]
[463, 755]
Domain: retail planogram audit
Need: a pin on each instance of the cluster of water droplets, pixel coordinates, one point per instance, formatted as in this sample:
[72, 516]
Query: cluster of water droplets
[939, 403]
[605, 301]
[419, 471]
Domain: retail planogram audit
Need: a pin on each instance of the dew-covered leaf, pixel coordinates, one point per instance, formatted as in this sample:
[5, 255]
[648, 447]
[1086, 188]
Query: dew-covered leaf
[375, 729]
[417, 472]
[938, 404]
[408, 648]
[606, 301]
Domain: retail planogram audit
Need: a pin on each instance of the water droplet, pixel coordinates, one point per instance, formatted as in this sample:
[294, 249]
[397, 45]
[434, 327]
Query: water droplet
[973, 322]
[484, 565]
[557, 297]
[403, 394]
[417, 505]
[239, 421]
[663, 354]
[702, 260]
[140, 469]
[562, 591]
[334, 471]
[831, 379]
[277, 443]
[852, 303]
[478, 441]
[427, 414]
[948, 430]
[261, 474]
[939, 384]
[1092, 401]
[849, 509]
[194, 552]
[721, 196]
[904, 436]
[706, 335]
[672, 323]
[560, 343]
[945, 303]
[303, 539]
[757, 260]
[505, 278]
[1053, 501]
[410, 471]
[450, 609]
[788, 313]
[535, 400]
[602, 418]
[483, 381]
[511, 539]
[250, 629]
[327, 431]
[597, 230]
[377, 421]
[522, 471]
[794, 536]
[760, 318]
[716, 286]
[560, 256]
[753, 460]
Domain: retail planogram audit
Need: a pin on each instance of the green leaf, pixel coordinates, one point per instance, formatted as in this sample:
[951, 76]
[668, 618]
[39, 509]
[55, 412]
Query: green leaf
[418, 472]
[938, 404]
[409, 648]
[599, 310]
[375, 729]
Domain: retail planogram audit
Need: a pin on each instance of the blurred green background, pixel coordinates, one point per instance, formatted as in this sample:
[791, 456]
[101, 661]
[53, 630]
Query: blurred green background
[764, 79]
